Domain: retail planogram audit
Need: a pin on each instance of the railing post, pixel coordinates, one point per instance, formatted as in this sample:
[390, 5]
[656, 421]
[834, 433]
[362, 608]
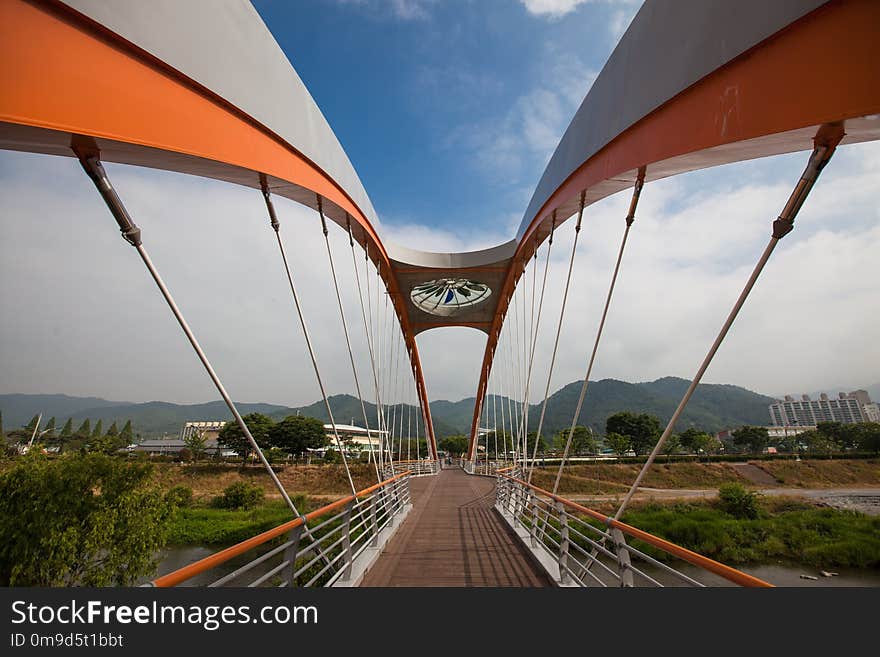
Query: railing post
[405, 484]
[518, 502]
[290, 554]
[374, 520]
[563, 541]
[533, 531]
[623, 563]
[346, 541]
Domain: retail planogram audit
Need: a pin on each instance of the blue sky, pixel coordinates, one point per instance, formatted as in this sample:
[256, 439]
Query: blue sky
[449, 111]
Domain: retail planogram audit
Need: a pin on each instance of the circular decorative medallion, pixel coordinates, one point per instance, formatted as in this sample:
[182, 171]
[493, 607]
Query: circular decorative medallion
[448, 296]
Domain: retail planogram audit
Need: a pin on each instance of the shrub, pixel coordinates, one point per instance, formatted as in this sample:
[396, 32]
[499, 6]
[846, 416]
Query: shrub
[332, 456]
[79, 520]
[239, 495]
[184, 455]
[275, 455]
[739, 502]
[179, 496]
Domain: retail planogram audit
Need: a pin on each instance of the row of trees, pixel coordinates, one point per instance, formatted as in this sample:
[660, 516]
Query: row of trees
[827, 437]
[637, 433]
[293, 435]
[85, 437]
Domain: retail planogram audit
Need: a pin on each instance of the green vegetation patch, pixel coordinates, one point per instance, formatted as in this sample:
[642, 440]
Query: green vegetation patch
[784, 530]
[212, 526]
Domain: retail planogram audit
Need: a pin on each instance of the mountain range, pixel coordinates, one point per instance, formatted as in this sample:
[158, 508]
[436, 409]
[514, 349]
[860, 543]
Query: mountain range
[713, 407]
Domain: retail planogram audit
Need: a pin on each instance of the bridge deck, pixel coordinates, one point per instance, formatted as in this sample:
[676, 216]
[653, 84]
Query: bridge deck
[453, 537]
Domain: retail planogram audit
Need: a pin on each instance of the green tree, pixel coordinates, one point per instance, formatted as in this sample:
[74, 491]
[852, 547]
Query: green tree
[869, 437]
[845, 436]
[98, 431]
[85, 430]
[232, 437]
[65, 436]
[297, 433]
[196, 443]
[127, 434]
[86, 520]
[694, 440]
[753, 438]
[642, 429]
[582, 441]
[530, 444]
[618, 442]
[31, 426]
[456, 444]
[50, 428]
[106, 444]
[672, 445]
[819, 442]
[113, 430]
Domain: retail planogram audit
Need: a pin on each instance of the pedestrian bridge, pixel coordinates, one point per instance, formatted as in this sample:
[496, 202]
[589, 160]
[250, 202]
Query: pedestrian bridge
[455, 526]
[690, 85]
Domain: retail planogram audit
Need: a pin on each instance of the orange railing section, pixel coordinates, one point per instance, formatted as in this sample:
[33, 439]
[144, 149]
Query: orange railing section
[214, 560]
[710, 565]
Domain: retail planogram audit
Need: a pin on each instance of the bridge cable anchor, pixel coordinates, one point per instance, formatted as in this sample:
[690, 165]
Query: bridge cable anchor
[273, 218]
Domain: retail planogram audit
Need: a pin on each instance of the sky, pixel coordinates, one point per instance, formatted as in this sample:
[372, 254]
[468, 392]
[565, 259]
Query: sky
[449, 111]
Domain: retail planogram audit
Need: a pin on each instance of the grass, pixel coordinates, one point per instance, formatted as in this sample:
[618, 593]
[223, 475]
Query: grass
[608, 478]
[821, 474]
[787, 530]
[611, 478]
[202, 525]
[209, 479]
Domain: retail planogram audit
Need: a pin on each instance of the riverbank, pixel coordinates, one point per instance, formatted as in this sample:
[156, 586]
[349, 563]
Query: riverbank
[792, 531]
[328, 481]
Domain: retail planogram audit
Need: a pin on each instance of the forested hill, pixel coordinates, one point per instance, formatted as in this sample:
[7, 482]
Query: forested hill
[712, 407]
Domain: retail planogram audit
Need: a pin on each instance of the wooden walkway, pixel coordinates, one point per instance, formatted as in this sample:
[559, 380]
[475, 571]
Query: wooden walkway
[454, 537]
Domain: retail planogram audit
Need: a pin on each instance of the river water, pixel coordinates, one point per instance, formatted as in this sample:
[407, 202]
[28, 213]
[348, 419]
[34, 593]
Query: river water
[779, 574]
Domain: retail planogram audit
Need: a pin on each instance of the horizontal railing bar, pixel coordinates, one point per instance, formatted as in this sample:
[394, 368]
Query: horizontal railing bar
[578, 579]
[601, 564]
[715, 567]
[250, 564]
[277, 569]
[669, 569]
[213, 560]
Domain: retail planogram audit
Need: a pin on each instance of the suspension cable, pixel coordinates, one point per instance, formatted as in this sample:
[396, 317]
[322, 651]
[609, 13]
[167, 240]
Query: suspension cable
[308, 339]
[495, 414]
[826, 141]
[357, 384]
[537, 322]
[131, 233]
[577, 232]
[630, 218]
[367, 333]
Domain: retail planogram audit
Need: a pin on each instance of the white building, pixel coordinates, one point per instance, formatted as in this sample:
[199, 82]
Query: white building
[847, 408]
[366, 441]
[210, 429]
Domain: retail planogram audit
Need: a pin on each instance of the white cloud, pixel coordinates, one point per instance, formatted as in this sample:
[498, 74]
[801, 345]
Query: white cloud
[554, 9]
[809, 323]
[551, 8]
[404, 10]
[81, 316]
[514, 148]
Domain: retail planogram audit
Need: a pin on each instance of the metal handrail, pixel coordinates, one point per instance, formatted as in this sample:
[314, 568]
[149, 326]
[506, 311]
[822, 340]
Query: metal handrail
[416, 468]
[539, 511]
[392, 494]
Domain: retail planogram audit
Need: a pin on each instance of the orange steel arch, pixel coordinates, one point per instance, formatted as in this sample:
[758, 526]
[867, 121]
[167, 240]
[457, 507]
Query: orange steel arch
[821, 69]
[62, 75]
